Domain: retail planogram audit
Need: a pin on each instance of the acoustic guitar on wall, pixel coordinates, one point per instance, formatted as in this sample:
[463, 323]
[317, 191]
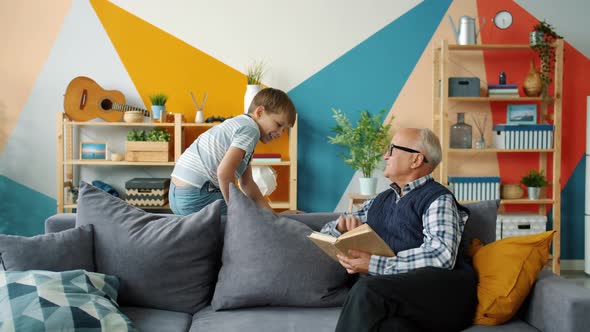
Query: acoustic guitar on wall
[85, 99]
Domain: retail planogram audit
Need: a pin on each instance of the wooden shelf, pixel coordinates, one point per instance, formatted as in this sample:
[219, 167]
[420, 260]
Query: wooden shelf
[119, 124]
[507, 99]
[550, 108]
[67, 138]
[271, 163]
[118, 163]
[165, 207]
[482, 47]
[206, 125]
[497, 150]
[280, 205]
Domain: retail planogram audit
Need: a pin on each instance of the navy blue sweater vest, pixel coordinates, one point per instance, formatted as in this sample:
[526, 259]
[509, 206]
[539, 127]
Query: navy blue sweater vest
[400, 224]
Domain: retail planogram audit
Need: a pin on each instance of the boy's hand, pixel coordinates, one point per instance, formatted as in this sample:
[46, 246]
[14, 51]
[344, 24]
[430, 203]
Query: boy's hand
[347, 223]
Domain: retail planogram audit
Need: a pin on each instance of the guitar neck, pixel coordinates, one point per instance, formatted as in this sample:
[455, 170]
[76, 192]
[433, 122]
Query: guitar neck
[127, 108]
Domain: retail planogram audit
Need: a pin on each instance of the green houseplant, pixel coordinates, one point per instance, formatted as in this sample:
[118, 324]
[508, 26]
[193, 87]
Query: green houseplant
[365, 142]
[153, 145]
[542, 40]
[534, 181]
[254, 74]
[158, 101]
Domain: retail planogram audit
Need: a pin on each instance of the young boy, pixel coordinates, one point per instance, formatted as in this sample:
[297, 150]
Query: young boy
[222, 154]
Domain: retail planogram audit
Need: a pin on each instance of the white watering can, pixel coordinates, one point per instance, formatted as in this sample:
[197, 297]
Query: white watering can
[466, 35]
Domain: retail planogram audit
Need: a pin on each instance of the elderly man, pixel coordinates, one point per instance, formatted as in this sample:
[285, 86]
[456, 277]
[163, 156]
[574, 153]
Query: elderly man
[427, 286]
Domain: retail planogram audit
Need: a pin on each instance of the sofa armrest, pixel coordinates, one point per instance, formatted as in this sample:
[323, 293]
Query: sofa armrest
[60, 222]
[558, 305]
[314, 220]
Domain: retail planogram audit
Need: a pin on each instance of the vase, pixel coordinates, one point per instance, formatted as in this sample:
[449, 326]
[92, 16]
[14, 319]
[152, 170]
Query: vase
[533, 192]
[199, 117]
[158, 112]
[535, 38]
[368, 186]
[461, 133]
[480, 143]
[533, 85]
[251, 91]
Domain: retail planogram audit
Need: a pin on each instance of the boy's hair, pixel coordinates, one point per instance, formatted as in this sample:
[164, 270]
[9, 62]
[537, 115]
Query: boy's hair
[274, 101]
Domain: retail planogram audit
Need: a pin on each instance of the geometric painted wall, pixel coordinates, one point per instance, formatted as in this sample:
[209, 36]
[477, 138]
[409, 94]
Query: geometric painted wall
[343, 54]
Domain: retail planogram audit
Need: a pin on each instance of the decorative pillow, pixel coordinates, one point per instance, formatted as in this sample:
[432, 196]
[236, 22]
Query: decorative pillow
[67, 250]
[507, 270]
[268, 260]
[481, 223]
[166, 262]
[60, 301]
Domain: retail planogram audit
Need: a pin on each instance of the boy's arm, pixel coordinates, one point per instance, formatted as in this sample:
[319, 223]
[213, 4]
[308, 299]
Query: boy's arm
[251, 189]
[227, 169]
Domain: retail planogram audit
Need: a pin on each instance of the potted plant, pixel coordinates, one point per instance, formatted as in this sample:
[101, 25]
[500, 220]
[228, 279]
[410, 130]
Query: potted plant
[542, 39]
[254, 74]
[153, 145]
[365, 142]
[534, 181]
[158, 101]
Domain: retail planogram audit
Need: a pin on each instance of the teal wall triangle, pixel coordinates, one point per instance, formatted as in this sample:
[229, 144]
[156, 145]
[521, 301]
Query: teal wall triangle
[370, 76]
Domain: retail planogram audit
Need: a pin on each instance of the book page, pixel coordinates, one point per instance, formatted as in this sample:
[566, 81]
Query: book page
[326, 243]
[365, 240]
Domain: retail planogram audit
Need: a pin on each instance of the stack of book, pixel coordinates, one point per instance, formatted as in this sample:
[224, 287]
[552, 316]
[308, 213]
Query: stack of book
[266, 157]
[503, 90]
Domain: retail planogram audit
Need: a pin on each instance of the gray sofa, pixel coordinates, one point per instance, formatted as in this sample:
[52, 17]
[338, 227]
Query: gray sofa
[259, 268]
[554, 304]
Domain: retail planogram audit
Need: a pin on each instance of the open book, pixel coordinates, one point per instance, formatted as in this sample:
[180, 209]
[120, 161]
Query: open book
[362, 238]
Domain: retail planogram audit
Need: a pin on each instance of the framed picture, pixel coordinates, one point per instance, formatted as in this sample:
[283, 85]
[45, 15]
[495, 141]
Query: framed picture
[521, 114]
[93, 151]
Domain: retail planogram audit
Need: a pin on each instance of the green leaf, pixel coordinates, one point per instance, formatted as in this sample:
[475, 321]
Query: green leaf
[365, 142]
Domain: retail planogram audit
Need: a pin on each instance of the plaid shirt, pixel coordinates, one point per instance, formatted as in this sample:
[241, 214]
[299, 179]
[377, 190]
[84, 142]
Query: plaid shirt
[443, 225]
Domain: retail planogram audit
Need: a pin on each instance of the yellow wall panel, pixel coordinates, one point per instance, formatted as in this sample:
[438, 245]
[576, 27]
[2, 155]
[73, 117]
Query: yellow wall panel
[159, 62]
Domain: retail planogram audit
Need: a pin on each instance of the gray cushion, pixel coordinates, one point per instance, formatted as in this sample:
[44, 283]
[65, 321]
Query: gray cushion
[268, 260]
[266, 319]
[154, 320]
[67, 250]
[164, 262]
[481, 223]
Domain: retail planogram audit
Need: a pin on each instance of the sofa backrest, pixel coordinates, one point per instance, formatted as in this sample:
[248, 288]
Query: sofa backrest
[481, 223]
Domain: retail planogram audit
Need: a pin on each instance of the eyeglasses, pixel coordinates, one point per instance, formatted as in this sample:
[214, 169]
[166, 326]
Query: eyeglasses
[403, 148]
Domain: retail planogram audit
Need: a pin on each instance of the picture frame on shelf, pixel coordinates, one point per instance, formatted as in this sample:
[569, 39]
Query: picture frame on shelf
[93, 151]
[517, 114]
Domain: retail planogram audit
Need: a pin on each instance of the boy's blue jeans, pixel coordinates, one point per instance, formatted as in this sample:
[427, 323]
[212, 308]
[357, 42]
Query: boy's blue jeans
[187, 200]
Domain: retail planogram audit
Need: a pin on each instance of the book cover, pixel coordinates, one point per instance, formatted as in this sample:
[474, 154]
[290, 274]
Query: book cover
[266, 155]
[362, 238]
[502, 86]
[492, 91]
[265, 160]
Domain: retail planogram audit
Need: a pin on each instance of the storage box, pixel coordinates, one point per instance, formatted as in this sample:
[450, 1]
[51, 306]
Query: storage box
[539, 136]
[519, 223]
[147, 151]
[475, 188]
[463, 87]
[147, 192]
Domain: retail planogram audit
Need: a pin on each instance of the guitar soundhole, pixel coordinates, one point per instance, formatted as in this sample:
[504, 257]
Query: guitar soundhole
[106, 104]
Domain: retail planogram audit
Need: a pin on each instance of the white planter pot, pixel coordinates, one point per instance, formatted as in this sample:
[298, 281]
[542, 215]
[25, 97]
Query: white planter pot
[251, 91]
[368, 186]
[533, 192]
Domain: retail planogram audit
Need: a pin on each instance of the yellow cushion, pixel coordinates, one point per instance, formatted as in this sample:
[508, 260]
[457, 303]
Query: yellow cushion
[507, 269]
